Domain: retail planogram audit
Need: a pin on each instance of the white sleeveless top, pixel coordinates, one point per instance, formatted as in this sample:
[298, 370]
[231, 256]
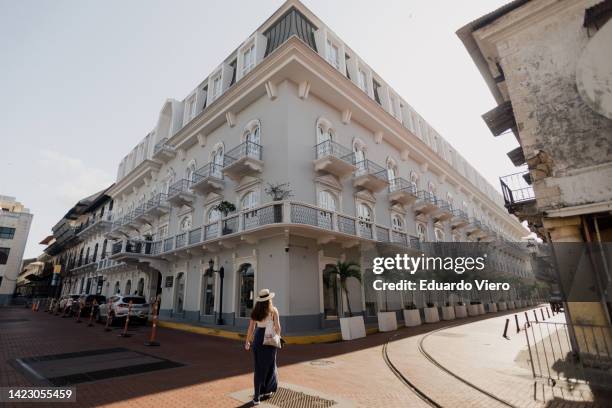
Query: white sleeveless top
[269, 320]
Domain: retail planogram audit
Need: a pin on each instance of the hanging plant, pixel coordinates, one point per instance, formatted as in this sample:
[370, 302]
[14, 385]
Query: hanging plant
[279, 191]
[225, 207]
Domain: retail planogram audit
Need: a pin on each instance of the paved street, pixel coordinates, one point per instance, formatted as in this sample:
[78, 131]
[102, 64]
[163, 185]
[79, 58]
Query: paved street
[354, 372]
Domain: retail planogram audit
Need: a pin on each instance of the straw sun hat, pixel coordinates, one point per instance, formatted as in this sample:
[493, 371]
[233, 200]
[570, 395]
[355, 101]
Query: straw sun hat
[264, 295]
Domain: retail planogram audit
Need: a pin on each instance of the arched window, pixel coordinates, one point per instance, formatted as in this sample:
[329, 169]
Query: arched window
[190, 171]
[216, 160]
[440, 236]
[331, 294]
[128, 287]
[185, 224]
[431, 187]
[179, 300]
[208, 294]
[250, 200]
[95, 253]
[104, 245]
[325, 132]
[140, 287]
[327, 200]
[213, 215]
[360, 156]
[397, 223]
[87, 256]
[252, 139]
[364, 213]
[392, 173]
[421, 232]
[246, 275]
[450, 200]
[414, 181]
[117, 289]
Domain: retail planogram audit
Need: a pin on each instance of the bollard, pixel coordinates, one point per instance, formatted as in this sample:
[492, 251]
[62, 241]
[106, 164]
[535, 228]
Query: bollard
[33, 303]
[78, 320]
[527, 320]
[124, 333]
[542, 311]
[152, 341]
[505, 335]
[518, 329]
[109, 319]
[91, 314]
[536, 316]
[548, 312]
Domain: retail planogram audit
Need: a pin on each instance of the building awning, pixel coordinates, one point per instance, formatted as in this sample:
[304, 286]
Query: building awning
[517, 156]
[500, 119]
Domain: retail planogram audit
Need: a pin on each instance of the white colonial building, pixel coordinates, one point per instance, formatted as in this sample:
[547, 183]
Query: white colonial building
[293, 104]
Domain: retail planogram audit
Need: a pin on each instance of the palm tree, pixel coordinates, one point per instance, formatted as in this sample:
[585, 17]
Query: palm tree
[344, 270]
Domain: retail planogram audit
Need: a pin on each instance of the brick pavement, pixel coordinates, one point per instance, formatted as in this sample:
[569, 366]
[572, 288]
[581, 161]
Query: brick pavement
[214, 367]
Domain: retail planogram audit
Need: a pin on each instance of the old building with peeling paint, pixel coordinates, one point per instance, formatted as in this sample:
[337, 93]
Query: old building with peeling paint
[548, 64]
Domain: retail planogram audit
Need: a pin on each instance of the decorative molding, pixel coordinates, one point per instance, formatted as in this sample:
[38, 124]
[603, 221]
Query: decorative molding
[202, 138]
[304, 90]
[405, 153]
[378, 137]
[182, 154]
[346, 116]
[230, 117]
[271, 90]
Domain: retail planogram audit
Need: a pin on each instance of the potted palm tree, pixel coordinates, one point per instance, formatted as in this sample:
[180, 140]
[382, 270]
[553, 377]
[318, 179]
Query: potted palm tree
[278, 192]
[460, 310]
[352, 327]
[431, 313]
[225, 207]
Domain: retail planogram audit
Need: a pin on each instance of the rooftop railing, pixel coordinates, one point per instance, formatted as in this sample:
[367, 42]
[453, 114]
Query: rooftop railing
[517, 188]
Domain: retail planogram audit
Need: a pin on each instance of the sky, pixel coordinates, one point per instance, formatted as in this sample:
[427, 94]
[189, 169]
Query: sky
[83, 81]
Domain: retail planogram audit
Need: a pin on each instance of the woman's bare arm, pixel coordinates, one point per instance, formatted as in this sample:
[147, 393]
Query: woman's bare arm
[277, 326]
[249, 336]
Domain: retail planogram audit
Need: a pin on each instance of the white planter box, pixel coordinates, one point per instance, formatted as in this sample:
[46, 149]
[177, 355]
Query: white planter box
[431, 314]
[473, 310]
[460, 311]
[387, 321]
[511, 305]
[412, 317]
[481, 309]
[491, 307]
[352, 327]
[448, 313]
[501, 306]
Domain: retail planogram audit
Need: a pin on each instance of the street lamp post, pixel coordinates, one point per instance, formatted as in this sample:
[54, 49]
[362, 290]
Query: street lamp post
[221, 272]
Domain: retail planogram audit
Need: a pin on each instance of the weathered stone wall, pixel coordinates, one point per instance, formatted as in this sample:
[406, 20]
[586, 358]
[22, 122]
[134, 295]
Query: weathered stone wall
[567, 143]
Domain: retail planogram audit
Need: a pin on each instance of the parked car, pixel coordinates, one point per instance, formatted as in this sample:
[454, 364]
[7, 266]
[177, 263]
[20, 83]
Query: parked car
[86, 302]
[65, 304]
[118, 306]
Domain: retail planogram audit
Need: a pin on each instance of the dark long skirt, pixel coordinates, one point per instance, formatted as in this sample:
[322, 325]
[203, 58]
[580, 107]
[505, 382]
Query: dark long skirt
[265, 380]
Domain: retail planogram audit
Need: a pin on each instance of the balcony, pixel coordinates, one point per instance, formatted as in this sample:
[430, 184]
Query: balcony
[95, 225]
[164, 151]
[459, 219]
[519, 198]
[426, 203]
[180, 194]
[334, 158]
[134, 248]
[444, 210]
[243, 160]
[208, 179]
[370, 176]
[474, 228]
[402, 192]
[157, 206]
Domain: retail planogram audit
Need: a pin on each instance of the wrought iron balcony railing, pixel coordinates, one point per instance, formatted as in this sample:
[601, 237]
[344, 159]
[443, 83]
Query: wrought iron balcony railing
[246, 149]
[209, 170]
[181, 186]
[400, 184]
[331, 148]
[368, 167]
[517, 188]
[161, 145]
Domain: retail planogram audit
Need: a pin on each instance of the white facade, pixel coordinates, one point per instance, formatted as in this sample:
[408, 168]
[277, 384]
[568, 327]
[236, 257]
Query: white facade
[15, 221]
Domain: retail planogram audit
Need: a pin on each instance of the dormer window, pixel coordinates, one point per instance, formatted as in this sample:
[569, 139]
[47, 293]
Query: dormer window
[190, 108]
[363, 80]
[216, 87]
[333, 54]
[248, 59]
[392, 109]
[376, 87]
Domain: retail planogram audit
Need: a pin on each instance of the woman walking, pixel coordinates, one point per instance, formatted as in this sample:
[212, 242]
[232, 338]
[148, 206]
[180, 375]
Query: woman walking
[264, 318]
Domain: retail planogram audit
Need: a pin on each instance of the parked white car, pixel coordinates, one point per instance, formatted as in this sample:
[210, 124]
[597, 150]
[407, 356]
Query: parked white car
[119, 306]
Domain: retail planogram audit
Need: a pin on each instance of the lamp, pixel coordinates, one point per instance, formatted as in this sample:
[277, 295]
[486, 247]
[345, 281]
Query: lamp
[221, 272]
